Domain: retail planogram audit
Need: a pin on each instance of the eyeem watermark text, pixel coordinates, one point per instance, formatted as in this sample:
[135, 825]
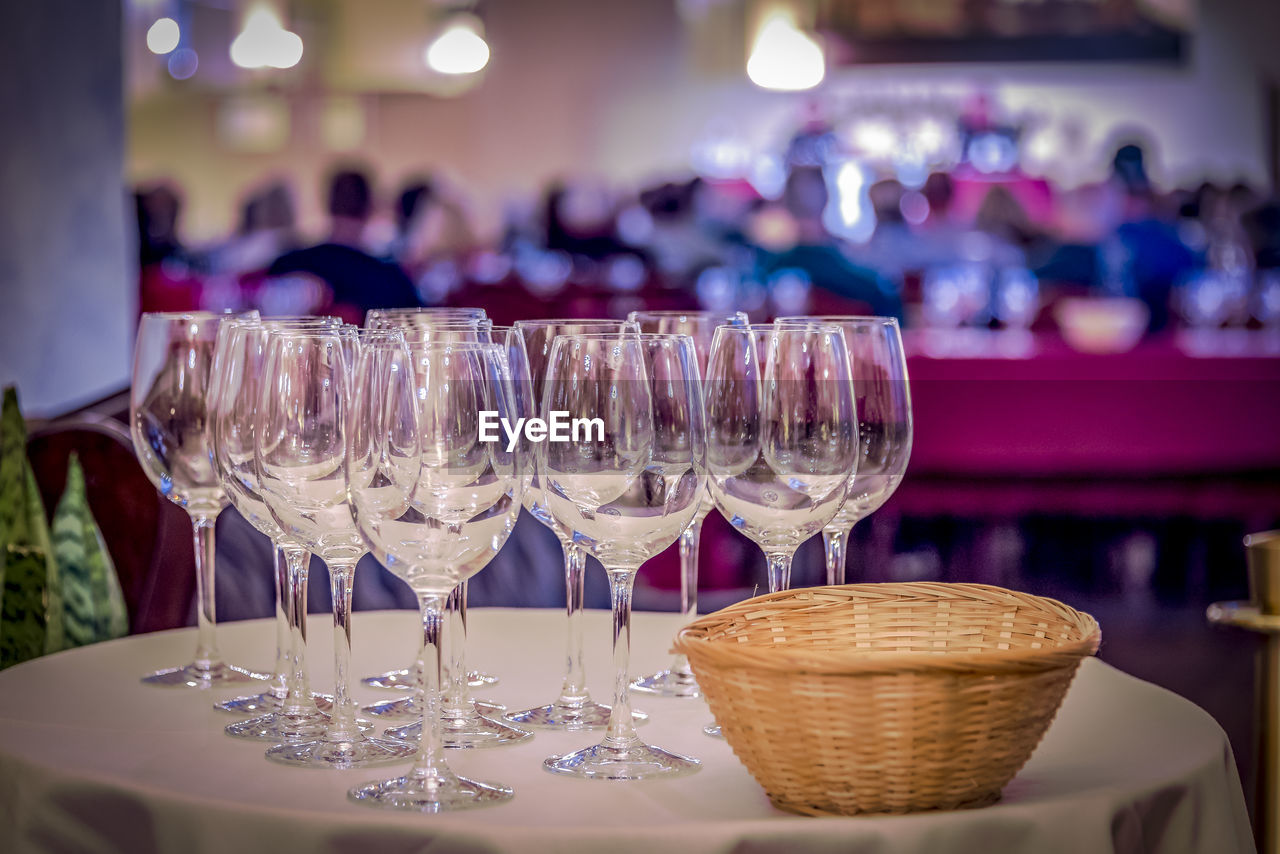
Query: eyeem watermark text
[561, 428]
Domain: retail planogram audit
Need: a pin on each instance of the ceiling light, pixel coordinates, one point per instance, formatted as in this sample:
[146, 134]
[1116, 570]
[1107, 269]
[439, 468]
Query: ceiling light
[163, 36]
[460, 49]
[784, 58]
[265, 43]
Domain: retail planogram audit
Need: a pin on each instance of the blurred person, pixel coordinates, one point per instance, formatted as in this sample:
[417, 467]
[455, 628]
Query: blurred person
[267, 230]
[433, 240]
[579, 220]
[357, 281]
[1146, 258]
[167, 278]
[685, 234]
[820, 257]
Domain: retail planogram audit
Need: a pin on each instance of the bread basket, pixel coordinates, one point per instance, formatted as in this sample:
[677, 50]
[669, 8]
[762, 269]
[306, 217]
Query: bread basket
[887, 698]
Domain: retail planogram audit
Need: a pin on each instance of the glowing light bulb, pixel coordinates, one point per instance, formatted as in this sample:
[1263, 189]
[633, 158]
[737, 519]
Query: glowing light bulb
[265, 43]
[460, 49]
[783, 58]
[163, 36]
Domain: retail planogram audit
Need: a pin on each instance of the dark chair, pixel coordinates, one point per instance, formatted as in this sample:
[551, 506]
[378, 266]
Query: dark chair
[148, 538]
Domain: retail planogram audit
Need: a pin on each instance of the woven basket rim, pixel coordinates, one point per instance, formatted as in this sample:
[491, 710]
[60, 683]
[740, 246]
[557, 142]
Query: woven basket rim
[781, 657]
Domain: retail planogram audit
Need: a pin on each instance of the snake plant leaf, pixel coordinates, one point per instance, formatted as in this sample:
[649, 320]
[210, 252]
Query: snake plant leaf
[93, 604]
[31, 597]
[22, 633]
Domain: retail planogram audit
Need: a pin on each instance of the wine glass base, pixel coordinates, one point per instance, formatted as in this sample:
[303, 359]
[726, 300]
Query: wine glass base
[637, 761]
[713, 730]
[568, 716]
[260, 704]
[363, 752]
[195, 676]
[409, 678]
[420, 795]
[407, 707]
[404, 679]
[478, 678]
[278, 727]
[668, 683]
[465, 733]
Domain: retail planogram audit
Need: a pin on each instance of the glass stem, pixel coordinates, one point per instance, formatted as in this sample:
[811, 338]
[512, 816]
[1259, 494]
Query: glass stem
[835, 542]
[779, 571]
[206, 610]
[280, 684]
[299, 699]
[574, 691]
[689, 570]
[622, 729]
[342, 722]
[457, 699]
[429, 765]
[688, 588]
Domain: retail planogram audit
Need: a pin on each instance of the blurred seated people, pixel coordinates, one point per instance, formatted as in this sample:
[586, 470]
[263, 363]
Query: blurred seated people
[1145, 257]
[433, 240]
[356, 279]
[680, 242]
[166, 278]
[1262, 224]
[820, 257]
[267, 230]
[579, 220]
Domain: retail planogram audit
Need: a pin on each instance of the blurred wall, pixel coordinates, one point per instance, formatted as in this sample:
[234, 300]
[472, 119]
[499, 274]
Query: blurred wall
[66, 279]
[624, 89]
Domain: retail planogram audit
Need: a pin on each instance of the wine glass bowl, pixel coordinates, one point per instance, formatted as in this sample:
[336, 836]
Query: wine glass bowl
[883, 399]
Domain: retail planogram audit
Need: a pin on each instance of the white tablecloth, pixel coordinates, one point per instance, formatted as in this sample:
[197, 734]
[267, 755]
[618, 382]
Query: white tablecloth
[91, 760]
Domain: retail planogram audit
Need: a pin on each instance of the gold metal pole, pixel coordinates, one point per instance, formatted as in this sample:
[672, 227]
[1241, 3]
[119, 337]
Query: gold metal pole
[1261, 614]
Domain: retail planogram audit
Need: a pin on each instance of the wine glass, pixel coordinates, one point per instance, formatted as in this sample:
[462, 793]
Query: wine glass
[883, 398]
[782, 440]
[435, 503]
[678, 679]
[168, 416]
[530, 342]
[465, 725]
[464, 721]
[626, 486]
[782, 436]
[300, 434]
[237, 369]
[421, 325]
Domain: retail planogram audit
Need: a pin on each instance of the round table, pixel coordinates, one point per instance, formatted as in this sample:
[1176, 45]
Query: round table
[92, 760]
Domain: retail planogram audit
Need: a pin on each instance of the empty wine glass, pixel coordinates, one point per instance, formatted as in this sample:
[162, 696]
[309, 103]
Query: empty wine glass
[463, 722]
[626, 486]
[435, 503]
[168, 416]
[883, 399]
[237, 369]
[782, 439]
[529, 342]
[300, 435]
[782, 436]
[678, 680]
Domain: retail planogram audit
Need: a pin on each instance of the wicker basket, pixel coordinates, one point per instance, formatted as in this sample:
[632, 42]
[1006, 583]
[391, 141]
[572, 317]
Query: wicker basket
[887, 698]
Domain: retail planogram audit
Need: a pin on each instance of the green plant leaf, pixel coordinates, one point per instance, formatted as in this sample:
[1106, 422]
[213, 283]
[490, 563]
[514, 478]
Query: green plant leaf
[94, 608]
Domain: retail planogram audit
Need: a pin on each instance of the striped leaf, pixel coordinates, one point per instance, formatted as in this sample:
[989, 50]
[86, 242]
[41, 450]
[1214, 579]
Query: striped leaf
[30, 592]
[93, 604]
